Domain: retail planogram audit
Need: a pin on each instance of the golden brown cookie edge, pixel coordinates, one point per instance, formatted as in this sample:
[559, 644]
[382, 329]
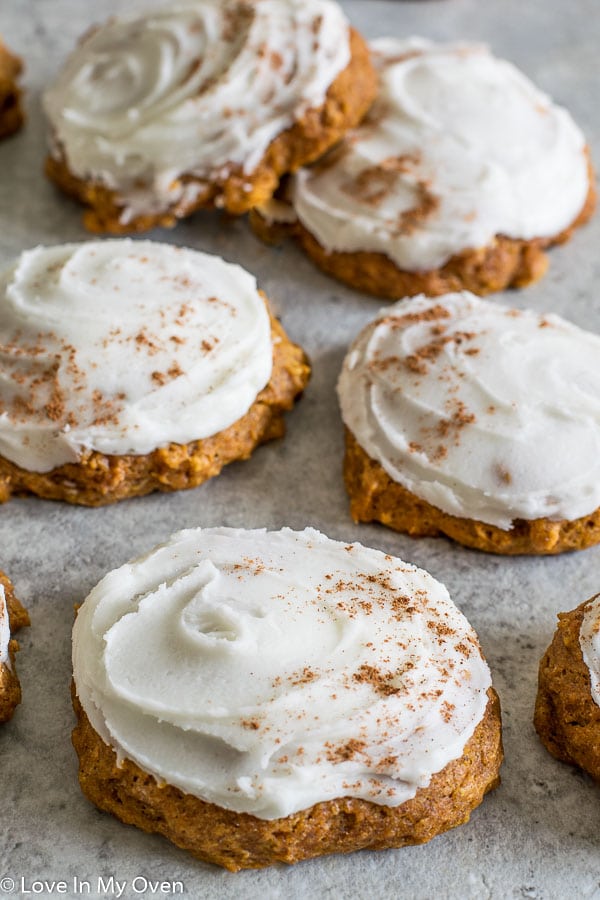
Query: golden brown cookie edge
[375, 496]
[98, 479]
[505, 263]
[566, 717]
[347, 101]
[10, 688]
[241, 841]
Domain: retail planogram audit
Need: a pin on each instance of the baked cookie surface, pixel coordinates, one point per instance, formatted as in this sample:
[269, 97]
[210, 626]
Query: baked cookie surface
[12, 617]
[567, 710]
[133, 367]
[215, 102]
[294, 697]
[460, 176]
[475, 421]
[11, 112]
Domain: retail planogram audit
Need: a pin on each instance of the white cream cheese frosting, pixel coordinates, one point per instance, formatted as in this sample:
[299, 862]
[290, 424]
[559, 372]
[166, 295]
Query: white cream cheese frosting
[487, 413]
[268, 671]
[191, 89]
[589, 641]
[122, 347]
[4, 630]
[459, 147]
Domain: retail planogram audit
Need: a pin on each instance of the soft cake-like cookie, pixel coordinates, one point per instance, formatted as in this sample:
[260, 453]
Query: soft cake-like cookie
[461, 175]
[263, 697]
[203, 104]
[11, 113]
[12, 617]
[567, 710]
[129, 367]
[475, 421]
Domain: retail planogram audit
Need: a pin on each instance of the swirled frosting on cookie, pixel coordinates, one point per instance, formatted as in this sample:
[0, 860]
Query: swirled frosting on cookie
[191, 89]
[485, 412]
[459, 147]
[589, 641]
[123, 347]
[266, 672]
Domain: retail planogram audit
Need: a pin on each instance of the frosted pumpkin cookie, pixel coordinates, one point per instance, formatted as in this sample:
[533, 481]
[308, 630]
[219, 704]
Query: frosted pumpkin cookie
[11, 113]
[12, 617]
[205, 103]
[567, 710]
[475, 421]
[261, 697]
[129, 367]
[461, 175]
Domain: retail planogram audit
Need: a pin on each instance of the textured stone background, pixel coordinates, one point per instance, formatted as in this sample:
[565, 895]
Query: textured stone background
[537, 836]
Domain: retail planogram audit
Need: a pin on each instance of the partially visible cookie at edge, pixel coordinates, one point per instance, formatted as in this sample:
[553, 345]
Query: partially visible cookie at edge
[567, 709]
[11, 111]
[13, 616]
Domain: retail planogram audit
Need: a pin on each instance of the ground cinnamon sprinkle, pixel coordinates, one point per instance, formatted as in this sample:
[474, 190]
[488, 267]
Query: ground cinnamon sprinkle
[143, 340]
[502, 474]
[316, 24]
[252, 724]
[381, 682]
[305, 677]
[413, 318]
[345, 751]
[412, 219]
[374, 183]
[276, 60]
[440, 628]
[446, 710]
[417, 361]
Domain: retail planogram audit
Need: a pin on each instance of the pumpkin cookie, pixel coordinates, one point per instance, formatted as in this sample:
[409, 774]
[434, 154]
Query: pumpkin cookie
[475, 421]
[130, 367]
[204, 105]
[260, 697]
[460, 177]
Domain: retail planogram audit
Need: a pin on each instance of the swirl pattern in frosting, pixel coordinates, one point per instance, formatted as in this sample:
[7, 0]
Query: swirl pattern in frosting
[266, 672]
[123, 347]
[485, 412]
[589, 641]
[191, 89]
[459, 147]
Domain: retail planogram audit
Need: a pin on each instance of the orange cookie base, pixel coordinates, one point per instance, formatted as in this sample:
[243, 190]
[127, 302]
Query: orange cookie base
[11, 113]
[241, 841]
[566, 717]
[505, 263]
[97, 479]
[374, 496]
[10, 689]
[347, 101]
